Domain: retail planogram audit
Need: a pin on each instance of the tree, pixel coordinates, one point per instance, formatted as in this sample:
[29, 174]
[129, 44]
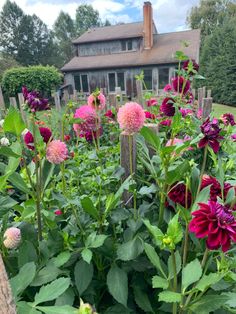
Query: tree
[64, 32]
[6, 62]
[86, 17]
[218, 63]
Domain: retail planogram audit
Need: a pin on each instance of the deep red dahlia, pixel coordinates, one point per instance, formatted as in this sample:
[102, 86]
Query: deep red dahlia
[211, 131]
[167, 107]
[215, 222]
[228, 119]
[149, 115]
[180, 84]
[29, 139]
[215, 190]
[109, 114]
[189, 67]
[178, 195]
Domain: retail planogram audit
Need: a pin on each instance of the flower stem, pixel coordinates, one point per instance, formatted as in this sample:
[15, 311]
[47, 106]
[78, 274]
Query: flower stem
[174, 310]
[185, 252]
[204, 259]
[202, 169]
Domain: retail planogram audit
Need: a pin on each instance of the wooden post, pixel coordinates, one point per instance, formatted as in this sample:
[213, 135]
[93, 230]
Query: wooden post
[7, 305]
[194, 93]
[66, 96]
[128, 158]
[112, 99]
[75, 95]
[139, 92]
[57, 101]
[21, 102]
[204, 91]
[206, 107]
[119, 94]
[2, 103]
[209, 93]
[13, 102]
[200, 97]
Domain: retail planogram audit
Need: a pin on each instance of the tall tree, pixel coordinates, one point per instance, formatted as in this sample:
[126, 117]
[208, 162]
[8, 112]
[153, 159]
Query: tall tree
[6, 62]
[64, 32]
[86, 17]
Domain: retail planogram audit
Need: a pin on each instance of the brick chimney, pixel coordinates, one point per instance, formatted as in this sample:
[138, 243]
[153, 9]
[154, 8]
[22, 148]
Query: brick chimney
[147, 25]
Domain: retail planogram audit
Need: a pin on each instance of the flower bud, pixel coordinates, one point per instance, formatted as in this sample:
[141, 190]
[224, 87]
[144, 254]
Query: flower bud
[12, 238]
[4, 141]
[85, 308]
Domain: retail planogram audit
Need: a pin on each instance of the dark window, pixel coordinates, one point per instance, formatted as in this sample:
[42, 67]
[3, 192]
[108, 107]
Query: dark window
[129, 45]
[123, 45]
[163, 77]
[84, 80]
[112, 82]
[148, 79]
[77, 83]
[121, 80]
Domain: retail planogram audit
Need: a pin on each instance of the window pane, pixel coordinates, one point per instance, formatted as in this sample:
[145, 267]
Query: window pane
[148, 79]
[163, 77]
[121, 80]
[85, 86]
[112, 82]
[77, 83]
[129, 45]
[123, 45]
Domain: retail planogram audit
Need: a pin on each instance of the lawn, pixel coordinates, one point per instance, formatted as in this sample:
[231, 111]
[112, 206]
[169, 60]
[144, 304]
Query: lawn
[219, 109]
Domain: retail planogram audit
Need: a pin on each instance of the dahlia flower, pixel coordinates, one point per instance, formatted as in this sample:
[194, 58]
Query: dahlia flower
[46, 134]
[174, 141]
[58, 212]
[178, 195]
[211, 132]
[151, 102]
[166, 122]
[12, 238]
[167, 88]
[185, 112]
[190, 66]
[233, 137]
[34, 100]
[67, 137]
[167, 107]
[109, 114]
[180, 84]
[215, 189]
[149, 115]
[4, 141]
[88, 117]
[56, 152]
[97, 100]
[215, 222]
[131, 117]
[228, 119]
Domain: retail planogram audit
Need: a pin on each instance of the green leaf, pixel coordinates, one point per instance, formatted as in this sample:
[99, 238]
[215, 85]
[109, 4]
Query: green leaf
[130, 250]
[169, 297]
[83, 275]
[148, 190]
[52, 291]
[170, 265]
[8, 152]
[154, 258]
[208, 280]
[63, 309]
[18, 182]
[94, 240]
[203, 197]
[159, 282]
[13, 122]
[117, 282]
[155, 231]
[62, 258]
[47, 274]
[142, 300]
[27, 253]
[87, 255]
[191, 273]
[175, 230]
[23, 279]
[26, 308]
[66, 298]
[231, 299]
[151, 137]
[208, 304]
[89, 208]
[177, 173]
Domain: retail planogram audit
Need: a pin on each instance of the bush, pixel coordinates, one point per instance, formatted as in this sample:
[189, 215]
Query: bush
[40, 78]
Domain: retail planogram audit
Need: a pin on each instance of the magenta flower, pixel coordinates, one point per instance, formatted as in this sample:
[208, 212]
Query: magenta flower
[167, 107]
[34, 100]
[88, 117]
[58, 212]
[199, 113]
[211, 132]
[180, 85]
[228, 119]
[166, 122]
[178, 195]
[97, 100]
[151, 102]
[185, 112]
[215, 190]
[190, 66]
[167, 88]
[46, 134]
[109, 114]
[12, 238]
[233, 137]
[56, 152]
[131, 117]
[215, 222]
[150, 115]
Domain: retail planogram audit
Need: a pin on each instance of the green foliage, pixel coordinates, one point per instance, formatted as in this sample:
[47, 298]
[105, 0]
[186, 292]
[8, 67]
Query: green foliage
[13, 122]
[117, 283]
[41, 78]
[191, 273]
[83, 276]
[86, 17]
[7, 62]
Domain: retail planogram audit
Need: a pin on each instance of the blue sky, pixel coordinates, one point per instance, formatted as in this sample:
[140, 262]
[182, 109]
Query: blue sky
[169, 15]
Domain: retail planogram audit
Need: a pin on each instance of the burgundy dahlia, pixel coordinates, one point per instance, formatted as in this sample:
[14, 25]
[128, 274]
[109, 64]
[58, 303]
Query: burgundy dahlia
[211, 131]
[185, 112]
[190, 66]
[215, 222]
[228, 119]
[180, 84]
[109, 114]
[178, 195]
[167, 107]
[166, 122]
[34, 100]
[46, 134]
[215, 190]
[233, 137]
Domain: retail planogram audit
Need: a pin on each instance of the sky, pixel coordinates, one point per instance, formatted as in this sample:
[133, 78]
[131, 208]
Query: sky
[169, 15]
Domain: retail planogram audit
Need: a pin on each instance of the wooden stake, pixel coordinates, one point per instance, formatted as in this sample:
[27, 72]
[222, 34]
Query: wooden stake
[2, 103]
[200, 97]
[209, 93]
[206, 108]
[139, 87]
[13, 102]
[21, 102]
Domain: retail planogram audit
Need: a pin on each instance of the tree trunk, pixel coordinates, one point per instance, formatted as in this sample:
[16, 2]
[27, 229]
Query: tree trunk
[7, 305]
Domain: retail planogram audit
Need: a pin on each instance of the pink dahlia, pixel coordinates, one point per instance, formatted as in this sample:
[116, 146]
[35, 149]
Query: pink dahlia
[97, 100]
[167, 88]
[56, 152]
[131, 117]
[180, 84]
[88, 117]
[233, 137]
[166, 122]
[175, 141]
[167, 107]
[58, 212]
[178, 195]
[151, 102]
[228, 119]
[46, 134]
[149, 115]
[185, 112]
[215, 222]
[12, 238]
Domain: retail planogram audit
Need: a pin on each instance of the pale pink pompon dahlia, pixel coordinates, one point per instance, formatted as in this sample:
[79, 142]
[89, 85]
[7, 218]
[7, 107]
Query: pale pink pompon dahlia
[131, 117]
[56, 152]
[12, 238]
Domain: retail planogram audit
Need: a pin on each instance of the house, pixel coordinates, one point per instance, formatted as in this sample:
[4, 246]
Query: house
[111, 56]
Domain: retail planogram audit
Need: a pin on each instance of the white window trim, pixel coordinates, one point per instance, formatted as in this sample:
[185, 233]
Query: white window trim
[149, 90]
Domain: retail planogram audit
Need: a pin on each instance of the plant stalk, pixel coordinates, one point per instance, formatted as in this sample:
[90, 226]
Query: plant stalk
[202, 169]
[175, 283]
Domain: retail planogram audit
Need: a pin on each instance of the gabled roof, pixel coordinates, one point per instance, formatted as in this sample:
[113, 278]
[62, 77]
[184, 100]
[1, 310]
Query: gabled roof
[162, 52]
[119, 31]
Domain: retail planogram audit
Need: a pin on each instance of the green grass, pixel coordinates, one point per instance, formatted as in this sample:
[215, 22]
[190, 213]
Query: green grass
[219, 109]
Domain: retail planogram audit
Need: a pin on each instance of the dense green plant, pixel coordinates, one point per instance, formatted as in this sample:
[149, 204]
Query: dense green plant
[41, 78]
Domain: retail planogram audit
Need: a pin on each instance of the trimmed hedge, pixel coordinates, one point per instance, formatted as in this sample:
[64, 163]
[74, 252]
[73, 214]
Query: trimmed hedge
[40, 78]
